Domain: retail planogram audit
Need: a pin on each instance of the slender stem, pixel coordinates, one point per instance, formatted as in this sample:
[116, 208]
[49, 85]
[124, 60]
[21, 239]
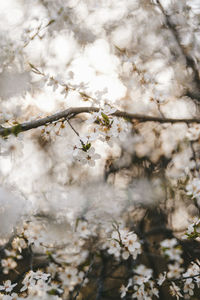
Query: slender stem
[72, 127]
[83, 280]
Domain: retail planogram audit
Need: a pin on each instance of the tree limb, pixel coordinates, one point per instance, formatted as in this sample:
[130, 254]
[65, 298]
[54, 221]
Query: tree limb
[73, 111]
[195, 92]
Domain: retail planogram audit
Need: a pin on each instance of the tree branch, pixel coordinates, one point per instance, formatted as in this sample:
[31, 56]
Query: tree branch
[195, 92]
[73, 111]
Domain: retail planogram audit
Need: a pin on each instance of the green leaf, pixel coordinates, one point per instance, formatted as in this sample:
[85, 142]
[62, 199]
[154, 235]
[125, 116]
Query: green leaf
[86, 147]
[105, 119]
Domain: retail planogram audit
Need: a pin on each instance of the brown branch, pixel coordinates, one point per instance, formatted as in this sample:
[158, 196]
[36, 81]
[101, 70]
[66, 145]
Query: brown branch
[73, 111]
[83, 280]
[195, 92]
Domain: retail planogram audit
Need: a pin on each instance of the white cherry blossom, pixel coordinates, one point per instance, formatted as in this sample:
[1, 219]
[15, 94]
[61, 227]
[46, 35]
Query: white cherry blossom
[189, 287]
[175, 291]
[7, 286]
[161, 278]
[88, 157]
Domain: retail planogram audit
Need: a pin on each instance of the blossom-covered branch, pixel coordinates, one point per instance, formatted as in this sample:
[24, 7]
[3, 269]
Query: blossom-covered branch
[73, 111]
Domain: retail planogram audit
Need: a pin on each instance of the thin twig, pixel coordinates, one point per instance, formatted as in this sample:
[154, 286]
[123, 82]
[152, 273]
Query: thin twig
[84, 277]
[31, 256]
[102, 277]
[72, 127]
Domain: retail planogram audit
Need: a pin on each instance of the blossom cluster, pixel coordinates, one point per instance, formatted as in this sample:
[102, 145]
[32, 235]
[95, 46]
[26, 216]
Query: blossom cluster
[193, 188]
[67, 269]
[141, 285]
[123, 244]
[193, 231]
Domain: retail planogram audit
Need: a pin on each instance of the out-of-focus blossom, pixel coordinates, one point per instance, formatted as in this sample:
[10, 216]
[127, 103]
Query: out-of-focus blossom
[7, 286]
[175, 291]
